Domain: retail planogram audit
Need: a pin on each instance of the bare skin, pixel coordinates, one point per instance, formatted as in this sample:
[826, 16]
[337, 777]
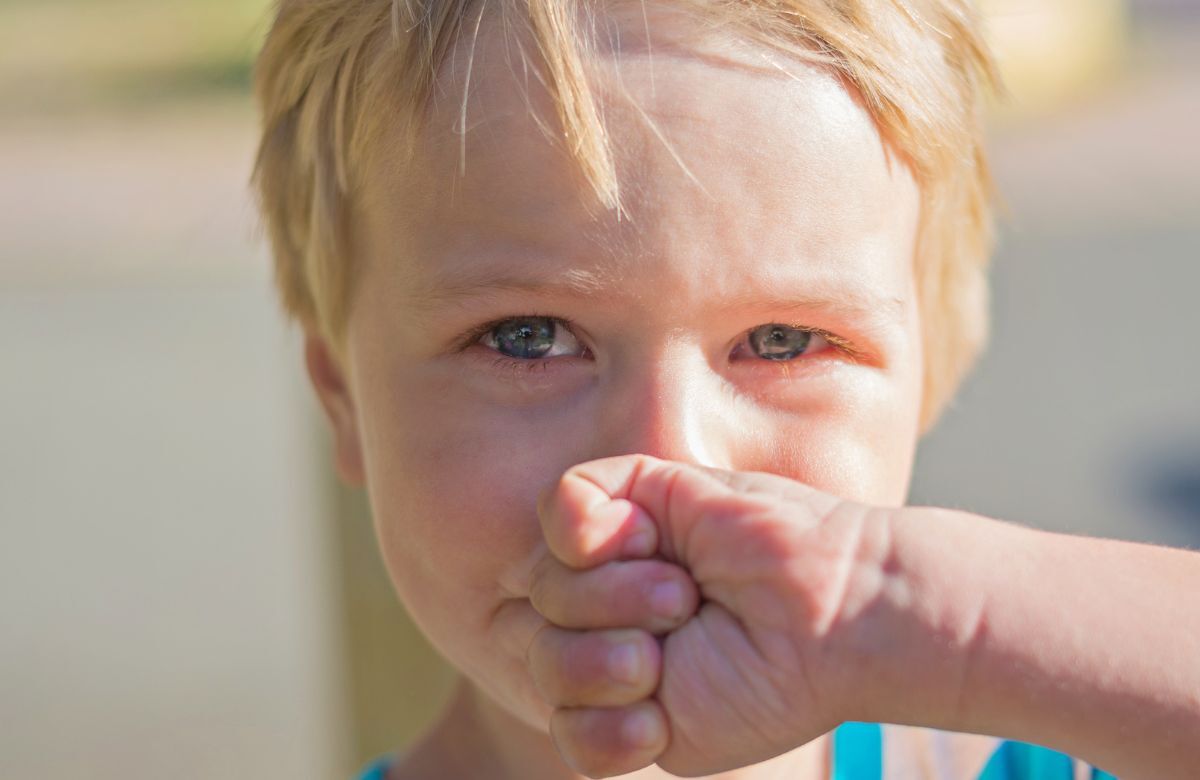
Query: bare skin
[753, 309]
[657, 358]
[819, 610]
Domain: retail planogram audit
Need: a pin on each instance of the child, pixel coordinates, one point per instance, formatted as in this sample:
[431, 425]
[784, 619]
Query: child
[629, 316]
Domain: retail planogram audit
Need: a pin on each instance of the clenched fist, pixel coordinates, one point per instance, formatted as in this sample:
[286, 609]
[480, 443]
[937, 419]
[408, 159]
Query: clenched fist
[706, 619]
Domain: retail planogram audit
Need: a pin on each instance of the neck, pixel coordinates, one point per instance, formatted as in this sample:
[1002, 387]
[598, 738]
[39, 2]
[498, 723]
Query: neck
[474, 739]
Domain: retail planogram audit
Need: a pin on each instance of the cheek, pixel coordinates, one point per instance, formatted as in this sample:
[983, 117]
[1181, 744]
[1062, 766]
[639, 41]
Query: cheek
[858, 444]
[871, 469]
[454, 484]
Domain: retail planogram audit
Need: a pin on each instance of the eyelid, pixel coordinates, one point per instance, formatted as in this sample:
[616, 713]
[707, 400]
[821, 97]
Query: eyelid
[839, 344]
[473, 336]
[835, 341]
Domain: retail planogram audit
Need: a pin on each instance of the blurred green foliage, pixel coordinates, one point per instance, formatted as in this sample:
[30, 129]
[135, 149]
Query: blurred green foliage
[64, 53]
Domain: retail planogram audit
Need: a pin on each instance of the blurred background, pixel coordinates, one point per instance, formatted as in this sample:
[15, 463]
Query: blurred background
[185, 590]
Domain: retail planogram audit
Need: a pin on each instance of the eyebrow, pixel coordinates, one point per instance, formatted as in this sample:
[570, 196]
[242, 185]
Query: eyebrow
[458, 288]
[461, 289]
[856, 305]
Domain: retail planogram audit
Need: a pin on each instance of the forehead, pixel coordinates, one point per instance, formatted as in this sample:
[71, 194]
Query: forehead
[731, 159]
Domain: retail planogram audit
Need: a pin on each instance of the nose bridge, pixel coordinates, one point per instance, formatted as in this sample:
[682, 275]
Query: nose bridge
[667, 405]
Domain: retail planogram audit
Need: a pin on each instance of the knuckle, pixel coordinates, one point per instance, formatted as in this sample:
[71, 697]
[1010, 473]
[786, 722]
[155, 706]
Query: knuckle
[633, 664]
[668, 599]
[611, 668]
[648, 594]
[593, 743]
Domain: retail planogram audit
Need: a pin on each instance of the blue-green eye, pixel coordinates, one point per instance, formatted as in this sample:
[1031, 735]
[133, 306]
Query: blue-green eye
[783, 342]
[531, 338]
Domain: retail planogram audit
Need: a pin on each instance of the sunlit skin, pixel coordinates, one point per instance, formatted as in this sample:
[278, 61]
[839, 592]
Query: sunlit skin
[776, 203]
[803, 219]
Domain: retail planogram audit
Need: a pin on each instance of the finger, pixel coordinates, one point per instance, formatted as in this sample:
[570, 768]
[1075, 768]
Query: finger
[614, 508]
[583, 527]
[677, 496]
[594, 668]
[652, 595]
[606, 742]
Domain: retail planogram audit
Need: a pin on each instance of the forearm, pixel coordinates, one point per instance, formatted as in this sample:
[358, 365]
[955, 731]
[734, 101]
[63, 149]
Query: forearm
[1088, 646]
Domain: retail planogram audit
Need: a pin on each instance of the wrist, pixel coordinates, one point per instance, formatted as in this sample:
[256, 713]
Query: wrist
[930, 615]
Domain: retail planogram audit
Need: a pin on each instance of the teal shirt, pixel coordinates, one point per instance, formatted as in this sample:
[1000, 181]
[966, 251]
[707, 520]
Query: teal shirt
[858, 755]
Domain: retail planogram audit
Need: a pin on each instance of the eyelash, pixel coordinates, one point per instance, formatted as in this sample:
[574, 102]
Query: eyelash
[504, 363]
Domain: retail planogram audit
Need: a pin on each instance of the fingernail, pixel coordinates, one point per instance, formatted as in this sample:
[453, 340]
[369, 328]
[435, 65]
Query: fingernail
[625, 663]
[640, 544]
[666, 599]
[641, 729]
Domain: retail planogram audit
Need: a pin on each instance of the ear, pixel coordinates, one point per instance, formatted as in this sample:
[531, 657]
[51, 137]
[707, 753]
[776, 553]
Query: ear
[333, 390]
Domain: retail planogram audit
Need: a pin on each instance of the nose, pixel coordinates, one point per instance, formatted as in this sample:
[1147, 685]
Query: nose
[670, 406]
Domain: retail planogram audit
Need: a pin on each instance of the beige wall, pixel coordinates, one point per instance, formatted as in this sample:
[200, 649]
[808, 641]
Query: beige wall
[166, 585]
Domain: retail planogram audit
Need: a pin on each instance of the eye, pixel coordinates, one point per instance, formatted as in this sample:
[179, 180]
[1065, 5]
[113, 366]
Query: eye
[785, 342]
[531, 338]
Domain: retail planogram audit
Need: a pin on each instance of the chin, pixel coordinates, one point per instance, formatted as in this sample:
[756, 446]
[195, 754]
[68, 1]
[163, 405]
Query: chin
[515, 698]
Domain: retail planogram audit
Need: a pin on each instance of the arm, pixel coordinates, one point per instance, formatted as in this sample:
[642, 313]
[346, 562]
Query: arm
[1089, 646]
[814, 610]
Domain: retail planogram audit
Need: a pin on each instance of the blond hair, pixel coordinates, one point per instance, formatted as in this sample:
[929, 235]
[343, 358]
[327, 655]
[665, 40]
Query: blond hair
[328, 66]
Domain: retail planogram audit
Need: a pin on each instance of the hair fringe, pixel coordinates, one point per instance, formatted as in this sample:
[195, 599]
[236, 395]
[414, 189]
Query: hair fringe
[921, 67]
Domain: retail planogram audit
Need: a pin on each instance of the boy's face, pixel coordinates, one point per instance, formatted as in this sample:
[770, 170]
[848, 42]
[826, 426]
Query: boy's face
[506, 327]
